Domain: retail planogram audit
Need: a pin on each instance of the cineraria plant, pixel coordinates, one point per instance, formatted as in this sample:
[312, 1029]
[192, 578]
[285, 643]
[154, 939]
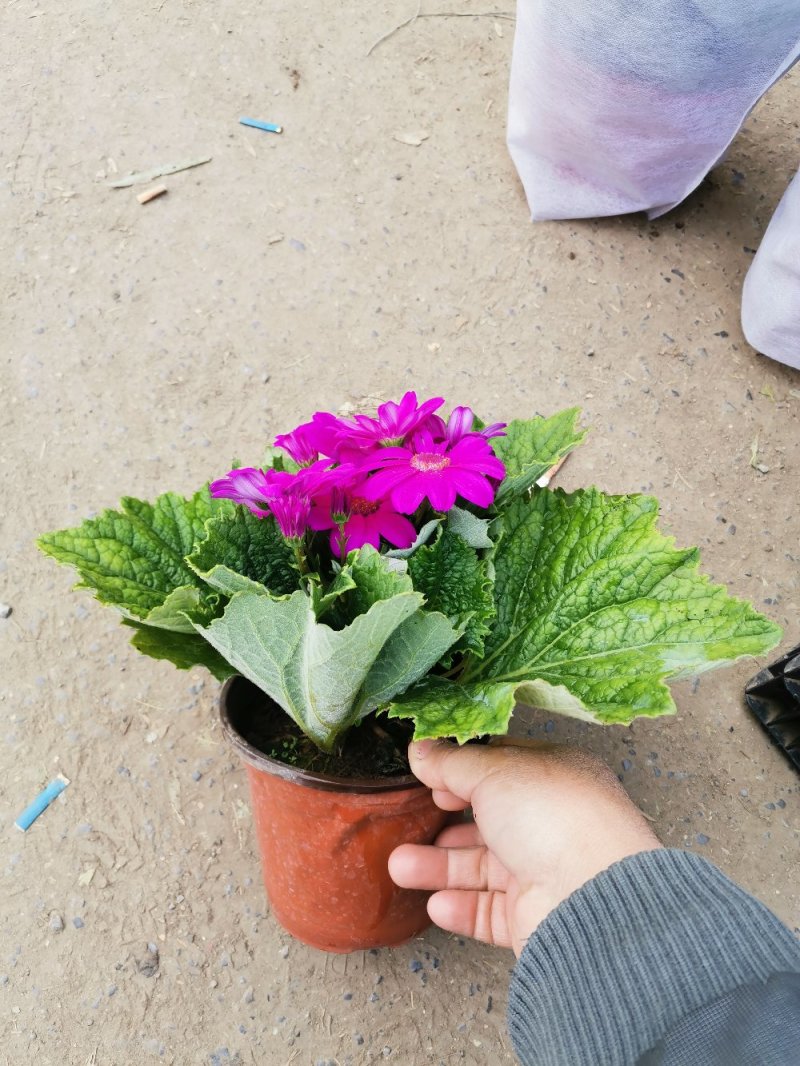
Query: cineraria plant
[410, 565]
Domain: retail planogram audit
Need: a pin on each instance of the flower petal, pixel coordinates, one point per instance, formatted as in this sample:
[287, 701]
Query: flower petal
[409, 494]
[473, 487]
[397, 529]
[441, 490]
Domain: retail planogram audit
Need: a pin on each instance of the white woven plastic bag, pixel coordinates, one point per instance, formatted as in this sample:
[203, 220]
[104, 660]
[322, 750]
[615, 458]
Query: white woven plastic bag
[617, 107]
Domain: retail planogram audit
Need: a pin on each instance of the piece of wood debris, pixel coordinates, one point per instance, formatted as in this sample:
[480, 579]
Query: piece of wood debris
[142, 177]
[547, 477]
[414, 138]
[151, 194]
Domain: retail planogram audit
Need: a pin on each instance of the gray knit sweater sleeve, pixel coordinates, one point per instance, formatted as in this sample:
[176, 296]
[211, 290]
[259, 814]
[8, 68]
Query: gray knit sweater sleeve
[641, 963]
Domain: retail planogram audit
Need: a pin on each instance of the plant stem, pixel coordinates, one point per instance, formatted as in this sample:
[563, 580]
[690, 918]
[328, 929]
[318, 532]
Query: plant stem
[299, 556]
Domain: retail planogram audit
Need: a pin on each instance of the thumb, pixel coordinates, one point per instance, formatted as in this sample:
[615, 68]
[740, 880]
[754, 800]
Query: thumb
[445, 767]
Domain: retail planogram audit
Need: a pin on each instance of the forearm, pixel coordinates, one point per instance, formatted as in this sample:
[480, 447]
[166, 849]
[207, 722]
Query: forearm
[623, 962]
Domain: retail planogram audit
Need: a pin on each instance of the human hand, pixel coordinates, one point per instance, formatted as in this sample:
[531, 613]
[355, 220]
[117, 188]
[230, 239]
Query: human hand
[547, 820]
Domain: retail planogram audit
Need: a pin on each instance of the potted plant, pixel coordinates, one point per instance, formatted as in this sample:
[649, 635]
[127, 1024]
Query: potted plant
[400, 573]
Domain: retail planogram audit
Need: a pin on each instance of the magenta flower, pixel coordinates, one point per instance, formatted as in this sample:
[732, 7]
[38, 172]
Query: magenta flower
[394, 422]
[437, 470]
[459, 425]
[292, 513]
[301, 444]
[364, 521]
[252, 487]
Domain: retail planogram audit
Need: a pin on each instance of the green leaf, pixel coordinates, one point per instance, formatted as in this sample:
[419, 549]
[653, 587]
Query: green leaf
[454, 580]
[240, 549]
[184, 650]
[375, 578]
[442, 708]
[314, 672]
[474, 530]
[323, 600]
[531, 447]
[414, 647]
[422, 537]
[597, 608]
[181, 608]
[134, 558]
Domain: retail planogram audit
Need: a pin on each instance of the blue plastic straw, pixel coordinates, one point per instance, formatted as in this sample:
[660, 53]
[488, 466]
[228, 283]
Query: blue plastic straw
[41, 803]
[270, 127]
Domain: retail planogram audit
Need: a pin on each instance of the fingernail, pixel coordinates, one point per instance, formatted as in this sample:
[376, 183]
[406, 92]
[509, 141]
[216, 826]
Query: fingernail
[420, 748]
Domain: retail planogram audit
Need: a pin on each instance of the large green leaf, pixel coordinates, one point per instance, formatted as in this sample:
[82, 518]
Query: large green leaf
[453, 579]
[596, 608]
[184, 650]
[134, 558]
[414, 647]
[531, 447]
[314, 672]
[240, 543]
[443, 708]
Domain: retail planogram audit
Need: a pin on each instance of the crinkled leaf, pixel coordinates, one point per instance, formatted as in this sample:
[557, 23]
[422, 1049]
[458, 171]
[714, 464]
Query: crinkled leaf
[239, 543]
[531, 447]
[184, 650]
[453, 579]
[181, 608]
[324, 599]
[422, 537]
[474, 530]
[374, 579]
[443, 708]
[413, 648]
[135, 557]
[314, 672]
[597, 608]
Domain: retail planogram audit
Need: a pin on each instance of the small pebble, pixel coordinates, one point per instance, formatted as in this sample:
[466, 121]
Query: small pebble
[781, 804]
[347, 997]
[374, 997]
[358, 1039]
[78, 923]
[626, 764]
[284, 952]
[5, 610]
[744, 792]
[702, 838]
[415, 966]
[770, 806]
[56, 922]
[249, 995]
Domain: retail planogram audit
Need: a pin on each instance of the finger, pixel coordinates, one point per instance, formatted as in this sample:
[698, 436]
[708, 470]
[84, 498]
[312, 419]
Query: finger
[430, 867]
[447, 801]
[447, 768]
[465, 835]
[481, 915]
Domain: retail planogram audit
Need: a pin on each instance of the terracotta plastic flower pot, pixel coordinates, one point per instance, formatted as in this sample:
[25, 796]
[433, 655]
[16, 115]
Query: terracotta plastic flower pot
[325, 842]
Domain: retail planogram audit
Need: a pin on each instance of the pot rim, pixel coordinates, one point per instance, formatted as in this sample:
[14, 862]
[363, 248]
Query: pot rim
[305, 778]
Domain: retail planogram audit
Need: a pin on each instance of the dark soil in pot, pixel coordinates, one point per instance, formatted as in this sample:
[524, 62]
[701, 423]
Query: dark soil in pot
[375, 748]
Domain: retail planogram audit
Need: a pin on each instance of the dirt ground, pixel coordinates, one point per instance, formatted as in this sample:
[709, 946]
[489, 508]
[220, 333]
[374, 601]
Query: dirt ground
[144, 347]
